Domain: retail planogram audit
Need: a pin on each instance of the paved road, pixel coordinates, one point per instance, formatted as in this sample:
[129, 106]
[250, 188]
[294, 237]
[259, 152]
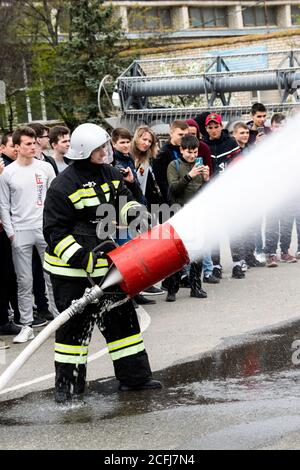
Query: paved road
[180, 338]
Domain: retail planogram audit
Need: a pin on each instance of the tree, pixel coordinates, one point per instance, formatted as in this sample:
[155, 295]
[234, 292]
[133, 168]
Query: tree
[91, 52]
[69, 46]
[11, 54]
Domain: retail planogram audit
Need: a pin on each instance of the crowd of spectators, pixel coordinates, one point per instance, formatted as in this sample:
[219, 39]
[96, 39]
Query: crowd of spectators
[197, 150]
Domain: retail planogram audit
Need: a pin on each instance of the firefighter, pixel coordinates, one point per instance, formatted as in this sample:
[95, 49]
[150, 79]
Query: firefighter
[71, 218]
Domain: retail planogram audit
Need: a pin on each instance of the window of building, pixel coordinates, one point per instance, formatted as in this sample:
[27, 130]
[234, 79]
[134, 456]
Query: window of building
[208, 17]
[259, 16]
[295, 13]
[149, 19]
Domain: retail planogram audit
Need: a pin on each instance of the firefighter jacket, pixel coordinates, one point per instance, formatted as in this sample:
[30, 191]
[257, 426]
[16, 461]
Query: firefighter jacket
[71, 215]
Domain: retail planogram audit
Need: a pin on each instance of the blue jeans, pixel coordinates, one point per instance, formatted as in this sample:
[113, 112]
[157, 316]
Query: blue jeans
[207, 265]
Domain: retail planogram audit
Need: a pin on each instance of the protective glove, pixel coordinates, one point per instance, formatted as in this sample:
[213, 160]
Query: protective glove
[145, 222]
[89, 261]
[140, 221]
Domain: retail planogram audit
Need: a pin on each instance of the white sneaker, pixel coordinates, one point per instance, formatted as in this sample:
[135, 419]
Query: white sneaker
[243, 265]
[297, 255]
[26, 334]
[261, 257]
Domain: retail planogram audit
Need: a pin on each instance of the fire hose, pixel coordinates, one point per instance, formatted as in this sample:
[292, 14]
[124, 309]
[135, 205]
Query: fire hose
[136, 265]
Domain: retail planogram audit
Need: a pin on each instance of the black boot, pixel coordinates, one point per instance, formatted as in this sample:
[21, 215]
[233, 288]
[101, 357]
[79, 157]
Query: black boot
[69, 381]
[195, 278]
[150, 384]
[198, 293]
[141, 300]
[170, 297]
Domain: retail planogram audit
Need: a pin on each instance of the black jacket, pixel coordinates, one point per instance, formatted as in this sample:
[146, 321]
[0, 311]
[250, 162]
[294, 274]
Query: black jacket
[71, 217]
[253, 133]
[223, 151]
[52, 162]
[6, 160]
[167, 154]
[123, 161]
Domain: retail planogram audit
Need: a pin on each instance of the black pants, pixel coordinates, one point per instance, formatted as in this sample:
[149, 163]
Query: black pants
[241, 247]
[8, 281]
[119, 326]
[172, 282]
[278, 228]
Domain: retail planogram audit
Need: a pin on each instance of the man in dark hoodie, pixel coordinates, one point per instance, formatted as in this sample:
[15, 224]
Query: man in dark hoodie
[121, 142]
[169, 152]
[257, 126]
[224, 149]
[123, 161]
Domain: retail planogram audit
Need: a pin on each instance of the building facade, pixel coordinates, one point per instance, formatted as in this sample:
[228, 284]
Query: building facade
[179, 20]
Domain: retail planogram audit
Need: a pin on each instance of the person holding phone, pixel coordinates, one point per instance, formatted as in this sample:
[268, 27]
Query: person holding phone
[256, 126]
[185, 178]
[203, 149]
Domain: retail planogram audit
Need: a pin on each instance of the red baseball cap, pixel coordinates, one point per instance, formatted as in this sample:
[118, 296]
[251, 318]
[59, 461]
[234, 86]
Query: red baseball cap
[213, 117]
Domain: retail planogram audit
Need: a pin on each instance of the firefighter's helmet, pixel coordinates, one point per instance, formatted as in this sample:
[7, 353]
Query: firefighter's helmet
[85, 139]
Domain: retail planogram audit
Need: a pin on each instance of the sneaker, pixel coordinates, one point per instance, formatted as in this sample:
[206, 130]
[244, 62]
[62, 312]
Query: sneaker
[253, 262]
[261, 257]
[217, 272]
[297, 254]
[4, 346]
[26, 334]
[272, 261]
[243, 265]
[198, 294]
[287, 258]
[45, 315]
[10, 328]
[171, 297]
[150, 384]
[141, 300]
[237, 272]
[211, 279]
[37, 322]
[152, 291]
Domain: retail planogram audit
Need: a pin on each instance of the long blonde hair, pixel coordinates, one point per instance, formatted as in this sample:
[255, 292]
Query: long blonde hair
[138, 155]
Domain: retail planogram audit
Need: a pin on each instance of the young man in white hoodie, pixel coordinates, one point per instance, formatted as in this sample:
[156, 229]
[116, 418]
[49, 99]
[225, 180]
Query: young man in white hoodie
[23, 187]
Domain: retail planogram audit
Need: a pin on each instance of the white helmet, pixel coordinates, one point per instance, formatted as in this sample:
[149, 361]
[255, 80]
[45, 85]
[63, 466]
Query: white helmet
[85, 139]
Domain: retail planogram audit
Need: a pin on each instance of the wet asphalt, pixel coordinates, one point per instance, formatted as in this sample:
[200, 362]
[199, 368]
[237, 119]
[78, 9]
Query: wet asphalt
[242, 397]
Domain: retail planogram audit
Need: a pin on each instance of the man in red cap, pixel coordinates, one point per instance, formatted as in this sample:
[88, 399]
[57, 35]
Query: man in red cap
[224, 149]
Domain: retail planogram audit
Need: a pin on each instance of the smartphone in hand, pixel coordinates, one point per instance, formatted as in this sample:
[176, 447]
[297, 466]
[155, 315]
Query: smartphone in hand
[260, 130]
[199, 161]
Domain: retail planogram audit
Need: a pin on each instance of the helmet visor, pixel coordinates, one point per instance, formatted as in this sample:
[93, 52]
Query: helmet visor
[102, 154]
[109, 153]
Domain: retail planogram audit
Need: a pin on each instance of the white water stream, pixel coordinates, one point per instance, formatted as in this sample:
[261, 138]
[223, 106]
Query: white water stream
[263, 181]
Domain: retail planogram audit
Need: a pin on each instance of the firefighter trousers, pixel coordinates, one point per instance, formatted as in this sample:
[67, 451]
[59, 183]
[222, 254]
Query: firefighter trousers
[119, 326]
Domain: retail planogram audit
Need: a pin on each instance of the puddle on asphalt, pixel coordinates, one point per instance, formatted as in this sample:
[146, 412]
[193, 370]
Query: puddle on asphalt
[264, 366]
